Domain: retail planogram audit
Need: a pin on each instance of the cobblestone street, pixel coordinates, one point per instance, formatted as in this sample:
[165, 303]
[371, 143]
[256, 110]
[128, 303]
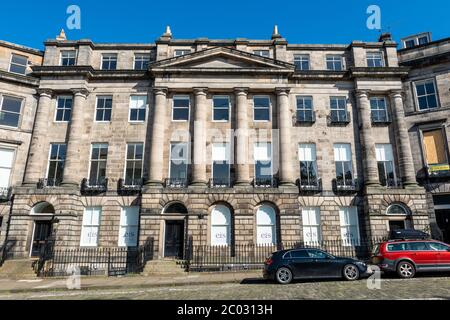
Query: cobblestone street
[424, 287]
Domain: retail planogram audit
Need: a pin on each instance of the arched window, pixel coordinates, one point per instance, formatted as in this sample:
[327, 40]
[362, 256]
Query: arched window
[176, 208]
[397, 209]
[266, 225]
[220, 226]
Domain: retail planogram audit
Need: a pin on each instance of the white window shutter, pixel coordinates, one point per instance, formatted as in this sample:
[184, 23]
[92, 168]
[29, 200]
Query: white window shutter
[307, 152]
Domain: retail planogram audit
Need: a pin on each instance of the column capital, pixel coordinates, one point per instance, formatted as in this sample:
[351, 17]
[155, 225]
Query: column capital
[80, 92]
[362, 93]
[160, 91]
[282, 91]
[200, 91]
[396, 93]
[45, 92]
[241, 91]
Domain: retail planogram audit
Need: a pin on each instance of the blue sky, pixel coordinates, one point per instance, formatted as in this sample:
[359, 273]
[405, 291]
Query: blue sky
[30, 22]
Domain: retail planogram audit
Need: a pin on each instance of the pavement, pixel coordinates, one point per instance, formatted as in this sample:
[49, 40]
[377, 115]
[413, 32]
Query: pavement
[103, 282]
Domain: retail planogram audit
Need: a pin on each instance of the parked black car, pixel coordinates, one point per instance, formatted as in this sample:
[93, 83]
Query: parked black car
[286, 265]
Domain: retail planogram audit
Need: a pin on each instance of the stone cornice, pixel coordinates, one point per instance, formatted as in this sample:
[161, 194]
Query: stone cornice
[319, 75]
[19, 79]
[381, 72]
[88, 72]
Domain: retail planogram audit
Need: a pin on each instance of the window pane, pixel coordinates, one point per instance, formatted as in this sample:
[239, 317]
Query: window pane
[11, 104]
[180, 114]
[221, 115]
[262, 115]
[9, 119]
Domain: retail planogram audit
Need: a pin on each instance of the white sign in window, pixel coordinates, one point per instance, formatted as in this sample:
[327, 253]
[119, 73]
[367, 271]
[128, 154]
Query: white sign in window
[307, 152]
[311, 225]
[138, 108]
[91, 226]
[220, 226]
[266, 226]
[129, 226]
[349, 226]
[342, 152]
[384, 152]
[6, 162]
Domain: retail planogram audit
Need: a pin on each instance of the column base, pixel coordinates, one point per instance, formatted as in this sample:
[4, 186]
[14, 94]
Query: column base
[410, 185]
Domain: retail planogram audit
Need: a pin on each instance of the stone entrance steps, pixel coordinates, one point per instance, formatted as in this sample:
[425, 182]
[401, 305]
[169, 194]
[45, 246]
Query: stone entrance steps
[166, 267]
[18, 269]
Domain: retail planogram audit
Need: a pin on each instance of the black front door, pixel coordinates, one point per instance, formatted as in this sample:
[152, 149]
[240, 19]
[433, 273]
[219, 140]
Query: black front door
[443, 221]
[42, 231]
[174, 239]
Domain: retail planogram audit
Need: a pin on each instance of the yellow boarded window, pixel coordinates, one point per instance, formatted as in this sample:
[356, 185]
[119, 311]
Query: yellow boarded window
[435, 149]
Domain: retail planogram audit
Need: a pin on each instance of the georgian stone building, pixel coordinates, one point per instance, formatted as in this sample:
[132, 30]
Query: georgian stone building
[427, 111]
[224, 141]
[18, 103]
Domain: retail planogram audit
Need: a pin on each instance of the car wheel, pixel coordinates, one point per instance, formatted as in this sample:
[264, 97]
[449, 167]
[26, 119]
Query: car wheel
[284, 276]
[406, 270]
[351, 272]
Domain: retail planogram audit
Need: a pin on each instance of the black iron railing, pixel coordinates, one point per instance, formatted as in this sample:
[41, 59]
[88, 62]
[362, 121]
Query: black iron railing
[5, 194]
[219, 183]
[265, 182]
[306, 117]
[310, 185]
[94, 185]
[48, 183]
[336, 118]
[176, 183]
[93, 261]
[253, 256]
[130, 185]
[345, 185]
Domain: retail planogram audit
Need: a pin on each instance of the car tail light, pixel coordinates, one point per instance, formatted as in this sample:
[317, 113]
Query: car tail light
[377, 259]
[268, 262]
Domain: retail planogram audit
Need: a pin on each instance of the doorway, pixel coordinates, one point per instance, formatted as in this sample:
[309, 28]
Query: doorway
[174, 239]
[443, 222]
[42, 232]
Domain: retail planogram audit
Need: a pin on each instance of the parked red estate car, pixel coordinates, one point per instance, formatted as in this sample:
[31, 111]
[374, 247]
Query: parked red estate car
[407, 257]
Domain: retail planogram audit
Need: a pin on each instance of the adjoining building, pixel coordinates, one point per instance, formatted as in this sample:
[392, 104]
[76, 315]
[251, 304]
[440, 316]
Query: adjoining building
[427, 114]
[18, 103]
[224, 142]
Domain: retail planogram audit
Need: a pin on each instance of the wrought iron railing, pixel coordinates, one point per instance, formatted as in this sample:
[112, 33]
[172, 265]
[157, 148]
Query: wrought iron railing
[130, 185]
[335, 119]
[176, 183]
[265, 182]
[345, 185]
[93, 261]
[310, 185]
[306, 118]
[219, 183]
[48, 183]
[253, 256]
[94, 185]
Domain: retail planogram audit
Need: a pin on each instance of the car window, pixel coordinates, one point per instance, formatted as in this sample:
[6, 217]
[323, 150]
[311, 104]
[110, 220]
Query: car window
[396, 247]
[299, 254]
[436, 246]
[417, 246]
[317, 254]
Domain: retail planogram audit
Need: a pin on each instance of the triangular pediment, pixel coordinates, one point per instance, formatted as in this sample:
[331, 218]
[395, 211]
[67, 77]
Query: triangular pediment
[221, 59]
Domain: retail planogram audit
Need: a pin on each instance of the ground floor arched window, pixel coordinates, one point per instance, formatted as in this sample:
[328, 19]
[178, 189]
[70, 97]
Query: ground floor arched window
[266, 225]
[220, 226]
[399, 217]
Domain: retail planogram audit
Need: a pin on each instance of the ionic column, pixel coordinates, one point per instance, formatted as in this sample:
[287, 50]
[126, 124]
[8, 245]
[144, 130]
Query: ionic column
[157, 140]
[241, 150]
[285, 126]
[405, 158]
[370, 164]
[36, 158]
[199, 152]
[75, 143]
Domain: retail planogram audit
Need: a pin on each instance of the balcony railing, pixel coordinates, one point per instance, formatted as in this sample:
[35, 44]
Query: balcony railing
[391, 184]
[94, 185]
[130, 185]
[265, 182]
[176, 183]
[334, 118]
[311, 185]
[48, 183]
[306, 119]
[347, 185]
[5, 193]
[219, 183]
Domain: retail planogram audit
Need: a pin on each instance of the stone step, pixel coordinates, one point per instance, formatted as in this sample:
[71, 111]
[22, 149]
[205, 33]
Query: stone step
[18, 269]
[164, 267]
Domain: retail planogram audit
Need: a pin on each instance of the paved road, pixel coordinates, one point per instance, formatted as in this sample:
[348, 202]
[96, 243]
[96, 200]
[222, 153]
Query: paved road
[428, 287]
